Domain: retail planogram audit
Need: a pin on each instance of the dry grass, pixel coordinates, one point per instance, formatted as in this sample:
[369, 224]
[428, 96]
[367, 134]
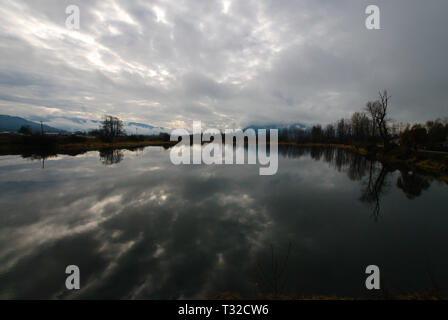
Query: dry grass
[93, 145]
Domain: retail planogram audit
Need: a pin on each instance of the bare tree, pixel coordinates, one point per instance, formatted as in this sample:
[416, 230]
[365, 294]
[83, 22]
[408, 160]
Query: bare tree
[378, 113]
[112, 127]
[360, 126]
[316, 133]
[330, 133]
[343, 130]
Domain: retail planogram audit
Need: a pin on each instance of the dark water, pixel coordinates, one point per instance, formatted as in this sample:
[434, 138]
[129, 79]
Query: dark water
[139, 227]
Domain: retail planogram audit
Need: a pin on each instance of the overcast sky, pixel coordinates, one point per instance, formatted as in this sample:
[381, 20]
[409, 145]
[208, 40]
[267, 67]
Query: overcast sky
[227, 63]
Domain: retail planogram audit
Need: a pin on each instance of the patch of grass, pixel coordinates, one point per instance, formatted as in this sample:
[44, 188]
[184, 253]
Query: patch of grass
[16, 144]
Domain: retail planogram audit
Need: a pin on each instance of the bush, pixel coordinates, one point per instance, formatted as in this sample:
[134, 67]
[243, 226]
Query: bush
[39, 140]
[73, 139]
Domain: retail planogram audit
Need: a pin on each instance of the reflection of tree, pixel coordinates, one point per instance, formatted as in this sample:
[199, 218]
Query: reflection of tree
[111, 156]
[39, 156]
[412, 184]
[341, 159]
[289, 151]
[374, 187]
[271, 280]
[328, 154]
[136, 149]
[359, 168]
[316, 153]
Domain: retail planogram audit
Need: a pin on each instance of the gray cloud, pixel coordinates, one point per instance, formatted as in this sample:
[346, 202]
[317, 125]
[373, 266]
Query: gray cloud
[227, 63]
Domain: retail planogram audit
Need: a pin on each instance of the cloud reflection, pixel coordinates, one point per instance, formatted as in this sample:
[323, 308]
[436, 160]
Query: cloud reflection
[144, 228]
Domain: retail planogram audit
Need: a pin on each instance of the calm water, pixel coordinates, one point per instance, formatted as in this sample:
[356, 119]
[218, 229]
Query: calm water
[140, 227]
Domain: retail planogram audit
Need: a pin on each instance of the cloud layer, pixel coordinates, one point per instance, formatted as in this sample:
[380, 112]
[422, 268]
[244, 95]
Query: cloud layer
[227, 63]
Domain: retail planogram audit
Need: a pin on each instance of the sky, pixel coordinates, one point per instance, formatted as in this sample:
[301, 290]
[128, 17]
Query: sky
[228, 63]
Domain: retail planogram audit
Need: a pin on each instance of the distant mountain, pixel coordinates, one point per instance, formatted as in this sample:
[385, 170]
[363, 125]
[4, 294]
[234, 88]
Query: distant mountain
[72, 124]
[279, 126]
[140, 125]
[141, 128]
[13, 124]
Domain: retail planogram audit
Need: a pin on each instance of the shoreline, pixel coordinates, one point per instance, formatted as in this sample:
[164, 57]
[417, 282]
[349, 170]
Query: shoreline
[434, 164]
[77, 148]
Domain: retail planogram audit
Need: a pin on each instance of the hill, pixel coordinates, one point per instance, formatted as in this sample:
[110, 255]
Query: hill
[279, 126]
[72, 124]
[13, 124]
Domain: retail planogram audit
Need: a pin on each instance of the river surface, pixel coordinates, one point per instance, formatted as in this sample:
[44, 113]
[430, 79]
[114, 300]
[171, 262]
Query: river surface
[138, 226]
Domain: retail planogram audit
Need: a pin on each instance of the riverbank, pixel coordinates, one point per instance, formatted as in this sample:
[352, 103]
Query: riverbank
[16, 145]
[434, 164]
[360, 150]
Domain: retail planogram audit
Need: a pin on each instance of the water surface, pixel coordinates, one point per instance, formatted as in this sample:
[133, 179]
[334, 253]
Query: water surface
[139, 227]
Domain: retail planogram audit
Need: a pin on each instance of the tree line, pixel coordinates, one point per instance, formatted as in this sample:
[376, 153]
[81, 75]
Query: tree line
[373, 127]
[111, 129]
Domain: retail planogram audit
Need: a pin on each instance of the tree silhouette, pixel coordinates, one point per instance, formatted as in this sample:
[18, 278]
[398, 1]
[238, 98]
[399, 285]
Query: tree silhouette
[374, 188]
[111, 156]
[412, 184]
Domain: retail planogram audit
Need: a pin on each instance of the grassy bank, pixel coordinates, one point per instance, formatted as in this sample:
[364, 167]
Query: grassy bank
[434, 164]
[16, 144]
[358, 149]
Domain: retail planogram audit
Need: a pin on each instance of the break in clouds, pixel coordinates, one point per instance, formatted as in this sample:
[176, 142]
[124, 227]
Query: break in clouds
[226, 63]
